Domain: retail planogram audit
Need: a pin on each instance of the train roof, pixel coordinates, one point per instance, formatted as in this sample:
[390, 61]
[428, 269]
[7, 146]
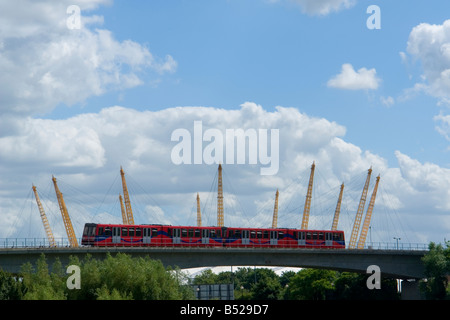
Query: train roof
[210, 227]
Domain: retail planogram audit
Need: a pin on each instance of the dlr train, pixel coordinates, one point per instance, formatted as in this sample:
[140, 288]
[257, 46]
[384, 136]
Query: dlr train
[110, 235]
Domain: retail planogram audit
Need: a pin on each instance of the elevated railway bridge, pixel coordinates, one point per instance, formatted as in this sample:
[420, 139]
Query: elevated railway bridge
[397, 261]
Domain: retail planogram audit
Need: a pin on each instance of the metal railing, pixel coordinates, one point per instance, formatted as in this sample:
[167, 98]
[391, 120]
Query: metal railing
[9, 243]
[396, 246]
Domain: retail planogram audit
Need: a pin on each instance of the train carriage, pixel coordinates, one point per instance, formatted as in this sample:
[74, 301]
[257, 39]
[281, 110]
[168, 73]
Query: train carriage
[190, 236]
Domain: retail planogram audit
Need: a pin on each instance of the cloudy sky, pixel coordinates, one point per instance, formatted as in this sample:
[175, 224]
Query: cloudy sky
[92, 85]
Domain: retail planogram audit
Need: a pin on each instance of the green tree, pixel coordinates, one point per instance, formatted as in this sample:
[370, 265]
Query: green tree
[116, 277]
[437, 266]
[256, 283]
[90, 278]
[39, 284]
[267, 288]
[104, 293]
[207, 276]
[353, 286]
[125, 277]
[311, 284]
[286, 277]
[10, 287]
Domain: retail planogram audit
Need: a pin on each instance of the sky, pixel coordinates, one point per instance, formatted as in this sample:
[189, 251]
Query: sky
[92, 85]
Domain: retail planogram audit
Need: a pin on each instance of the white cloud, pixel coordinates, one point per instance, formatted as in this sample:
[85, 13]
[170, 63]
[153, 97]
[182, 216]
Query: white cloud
[349, 79]
[429, 181]
[387, 101]
[68, 143]
[324, 7]
[430, 45]
[444, 127]
[44, 63]
[86, 151]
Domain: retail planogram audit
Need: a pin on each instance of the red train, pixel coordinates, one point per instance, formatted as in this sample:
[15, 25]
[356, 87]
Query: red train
[189, 236]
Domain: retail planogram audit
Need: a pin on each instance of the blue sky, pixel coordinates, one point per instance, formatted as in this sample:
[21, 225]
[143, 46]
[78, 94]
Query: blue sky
[80, 103]
[229, 52]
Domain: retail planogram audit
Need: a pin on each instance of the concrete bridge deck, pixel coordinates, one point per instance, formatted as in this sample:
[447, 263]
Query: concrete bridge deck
[400, 264]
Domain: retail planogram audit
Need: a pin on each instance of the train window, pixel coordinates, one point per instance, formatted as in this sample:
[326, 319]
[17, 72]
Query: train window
[124, 232]
[237, 234]
[314, 235]
[245, 234]
[280, 235]
[230, 234]
[259, 234]
[184, 233]
[197, 233]
[190, 233]
[138, 232]
[205, 233]
[213, 234]
[266, 234]
[154, 232]
[131, 232]
[301, 235]
[320, 235]
[107, 231]
[101, 231]
[219, 233]
[308, 236]
[89, 230]
[337, 236]
[253, 234]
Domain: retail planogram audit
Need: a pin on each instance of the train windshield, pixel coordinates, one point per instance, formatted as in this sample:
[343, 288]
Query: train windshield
[89, 230]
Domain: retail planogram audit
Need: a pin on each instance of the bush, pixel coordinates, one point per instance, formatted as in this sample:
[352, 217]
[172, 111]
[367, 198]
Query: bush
[118, 277]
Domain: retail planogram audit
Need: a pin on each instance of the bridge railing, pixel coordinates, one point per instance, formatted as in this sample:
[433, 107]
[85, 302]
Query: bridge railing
[396, 246]
[6, 243]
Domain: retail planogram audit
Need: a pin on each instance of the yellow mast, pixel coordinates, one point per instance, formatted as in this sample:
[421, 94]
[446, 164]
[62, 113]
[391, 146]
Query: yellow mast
[65, 215]
[275, 211]
[130, 218]
[338, 209]
[47, 228]
[122, 209]
[220, 221]
[366, 224]
[359, 213]
[199, 214]
[307, 208]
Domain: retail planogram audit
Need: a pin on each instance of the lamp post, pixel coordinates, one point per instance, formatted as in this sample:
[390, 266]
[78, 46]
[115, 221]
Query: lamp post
[397, 241]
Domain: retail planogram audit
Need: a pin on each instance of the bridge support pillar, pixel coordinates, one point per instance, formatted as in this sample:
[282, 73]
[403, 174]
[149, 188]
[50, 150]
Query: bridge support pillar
[410, 290]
